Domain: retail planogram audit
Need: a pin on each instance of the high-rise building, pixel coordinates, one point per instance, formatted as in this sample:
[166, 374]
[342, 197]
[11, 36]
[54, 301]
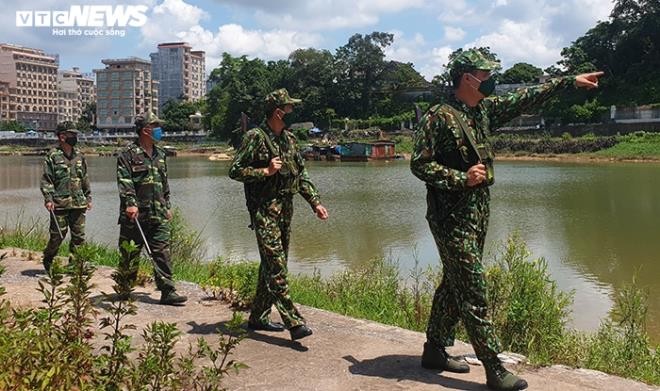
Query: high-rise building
[180, 72]
[4, 100]
[74, 91]
[30, 76]
[124, 89]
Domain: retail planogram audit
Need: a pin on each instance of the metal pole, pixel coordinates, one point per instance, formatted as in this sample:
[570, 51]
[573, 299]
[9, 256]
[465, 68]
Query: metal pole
[144, 238]
[59, 230]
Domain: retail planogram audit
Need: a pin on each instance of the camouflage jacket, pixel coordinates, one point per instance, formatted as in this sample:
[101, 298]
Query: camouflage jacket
[439, 143]
[65, 181]
[142, 182]
[254, 154]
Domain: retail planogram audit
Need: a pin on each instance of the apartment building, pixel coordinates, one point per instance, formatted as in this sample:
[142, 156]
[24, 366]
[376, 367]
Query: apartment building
[74, 91]
[180, 72]
[28, 84]
[124, 89]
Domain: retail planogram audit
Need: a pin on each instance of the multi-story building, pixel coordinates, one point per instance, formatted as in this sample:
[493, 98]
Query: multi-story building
[75, 92]
[4, 101]
[124, 89]
[180, 72]
[31, 76]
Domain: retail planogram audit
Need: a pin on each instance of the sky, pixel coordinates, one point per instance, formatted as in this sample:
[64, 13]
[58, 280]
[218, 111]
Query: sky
[425, 31]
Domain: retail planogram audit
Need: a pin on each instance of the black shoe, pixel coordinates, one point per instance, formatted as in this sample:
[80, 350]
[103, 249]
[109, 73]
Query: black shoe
[500, 379]
[172, 298]
[270, 326]
[300, 331]
[47, 264]
[438, 358]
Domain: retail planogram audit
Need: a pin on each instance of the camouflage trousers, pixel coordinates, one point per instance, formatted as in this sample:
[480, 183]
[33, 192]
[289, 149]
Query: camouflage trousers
[272, 225]
[158, 238]
[458, 223]
[69, 218]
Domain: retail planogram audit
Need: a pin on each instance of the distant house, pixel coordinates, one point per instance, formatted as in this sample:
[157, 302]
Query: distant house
[362, 152]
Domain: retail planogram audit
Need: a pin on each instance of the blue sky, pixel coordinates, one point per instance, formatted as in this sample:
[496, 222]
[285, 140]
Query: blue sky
[426, 31]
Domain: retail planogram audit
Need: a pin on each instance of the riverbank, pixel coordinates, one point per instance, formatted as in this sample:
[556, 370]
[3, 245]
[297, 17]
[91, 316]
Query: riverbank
[179, 149]
[530, 316]
[635, 147]
[344, 353]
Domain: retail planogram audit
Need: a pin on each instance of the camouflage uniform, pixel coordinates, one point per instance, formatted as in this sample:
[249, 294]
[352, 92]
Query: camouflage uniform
[271, 209]
[142, 182]
[458, 214]
[65, 183]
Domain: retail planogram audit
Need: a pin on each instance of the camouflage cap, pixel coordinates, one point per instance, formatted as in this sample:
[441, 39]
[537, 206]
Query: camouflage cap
[280, 97]
[148, 118]
[75, 131]
[470, 60]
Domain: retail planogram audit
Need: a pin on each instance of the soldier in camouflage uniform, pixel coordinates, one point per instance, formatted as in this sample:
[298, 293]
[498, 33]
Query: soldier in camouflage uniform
[144, 195]
[67, 195]
[456, 167]
[270, 165]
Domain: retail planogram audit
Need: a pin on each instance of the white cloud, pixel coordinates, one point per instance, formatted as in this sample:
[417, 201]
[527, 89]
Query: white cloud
[180, 21]
[522, 42]
[404, 49]
[436, 62]
[453, 34]
[532, 31]
[168, 19]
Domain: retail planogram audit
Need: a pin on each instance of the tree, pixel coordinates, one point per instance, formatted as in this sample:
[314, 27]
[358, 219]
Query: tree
[521, 73]
[12, 126]
[87, 120]
[176, 114]
[627, 48]
[241, 85]
[359, 65]
[312, 80]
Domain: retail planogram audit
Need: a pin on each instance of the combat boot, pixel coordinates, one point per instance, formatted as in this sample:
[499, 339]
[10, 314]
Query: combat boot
[172, 298]
[500, 379]
[48, 262]
[437, 358]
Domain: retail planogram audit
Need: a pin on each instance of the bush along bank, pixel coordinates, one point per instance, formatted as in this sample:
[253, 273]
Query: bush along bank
[529, 312]
[635, 146]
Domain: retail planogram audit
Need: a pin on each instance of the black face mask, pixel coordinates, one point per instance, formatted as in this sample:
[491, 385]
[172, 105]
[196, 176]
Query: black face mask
[71, 140]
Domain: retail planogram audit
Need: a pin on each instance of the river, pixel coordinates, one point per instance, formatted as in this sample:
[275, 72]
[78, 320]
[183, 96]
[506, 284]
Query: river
[597, 225]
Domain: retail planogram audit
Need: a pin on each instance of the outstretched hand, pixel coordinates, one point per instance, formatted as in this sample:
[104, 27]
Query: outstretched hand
[588, 80]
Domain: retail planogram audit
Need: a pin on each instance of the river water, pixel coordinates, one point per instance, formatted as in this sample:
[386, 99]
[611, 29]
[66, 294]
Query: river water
[597, 225]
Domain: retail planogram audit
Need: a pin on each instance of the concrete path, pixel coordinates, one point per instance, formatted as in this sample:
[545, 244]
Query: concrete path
[343, 354]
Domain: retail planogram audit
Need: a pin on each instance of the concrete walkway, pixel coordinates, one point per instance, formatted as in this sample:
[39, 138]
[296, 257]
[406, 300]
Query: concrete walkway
[343, 354]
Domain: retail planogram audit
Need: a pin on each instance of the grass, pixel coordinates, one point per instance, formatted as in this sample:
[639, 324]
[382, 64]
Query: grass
[638, 145]
[529, 311]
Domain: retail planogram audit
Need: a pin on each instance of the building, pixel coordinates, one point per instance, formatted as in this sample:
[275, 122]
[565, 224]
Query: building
[74, 92]
[362, 152]
[30, 78]
[124, 89]
[4, 101]
[180, 72]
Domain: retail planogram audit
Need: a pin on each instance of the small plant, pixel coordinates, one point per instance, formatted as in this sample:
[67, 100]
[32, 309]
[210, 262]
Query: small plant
[233, 282]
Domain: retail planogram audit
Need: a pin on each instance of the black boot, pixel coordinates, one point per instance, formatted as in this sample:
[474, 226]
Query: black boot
[172, 298]
[437, 358]
[498, 378]
[270, 326]
[300, 331]
[47, 264]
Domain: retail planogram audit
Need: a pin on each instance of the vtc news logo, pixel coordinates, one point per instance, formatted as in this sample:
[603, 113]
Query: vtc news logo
[85, 16]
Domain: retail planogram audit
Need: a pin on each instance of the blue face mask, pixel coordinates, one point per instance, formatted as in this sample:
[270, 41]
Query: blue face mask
[157, 133]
